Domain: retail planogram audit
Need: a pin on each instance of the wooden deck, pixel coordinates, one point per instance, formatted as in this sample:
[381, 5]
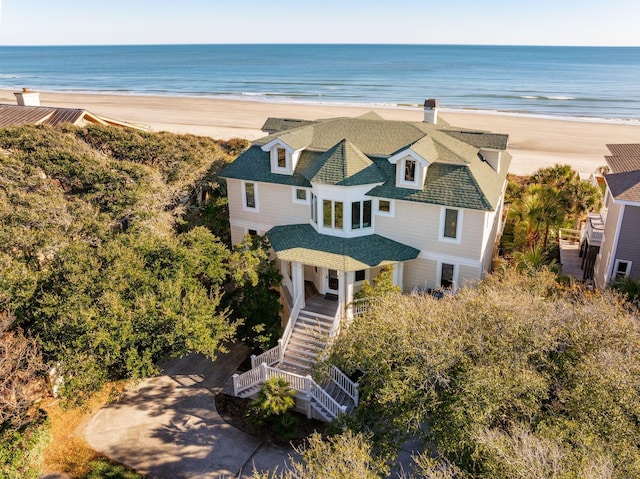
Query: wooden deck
[317, 304]
[570, 254]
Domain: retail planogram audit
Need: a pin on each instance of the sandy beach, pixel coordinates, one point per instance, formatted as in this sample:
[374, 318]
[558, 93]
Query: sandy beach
[533, 142]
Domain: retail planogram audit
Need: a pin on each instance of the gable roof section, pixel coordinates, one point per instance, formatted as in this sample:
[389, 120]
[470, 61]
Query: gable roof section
[624, 179]
[343, 165]
[302, 243]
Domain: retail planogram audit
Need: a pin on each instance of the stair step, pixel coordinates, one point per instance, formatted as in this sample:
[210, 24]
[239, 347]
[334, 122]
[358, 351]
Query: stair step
[302, 351]
[315, 316]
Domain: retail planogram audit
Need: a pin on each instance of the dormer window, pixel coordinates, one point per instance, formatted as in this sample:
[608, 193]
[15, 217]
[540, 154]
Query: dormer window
[281, 155]
[409, 171]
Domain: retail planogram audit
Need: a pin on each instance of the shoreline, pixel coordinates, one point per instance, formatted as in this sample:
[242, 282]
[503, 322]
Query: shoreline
[535, 141]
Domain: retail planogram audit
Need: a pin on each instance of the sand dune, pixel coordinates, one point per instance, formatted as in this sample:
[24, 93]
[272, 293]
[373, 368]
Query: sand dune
[534, 142]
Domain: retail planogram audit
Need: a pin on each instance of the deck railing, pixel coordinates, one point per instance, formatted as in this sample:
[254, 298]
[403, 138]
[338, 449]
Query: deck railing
[283, 342]
[270, 357]
[566, 235]
[300, 384]
[347, 385]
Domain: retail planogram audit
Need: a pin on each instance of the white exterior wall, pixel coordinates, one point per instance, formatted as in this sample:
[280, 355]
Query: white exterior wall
[275, 207]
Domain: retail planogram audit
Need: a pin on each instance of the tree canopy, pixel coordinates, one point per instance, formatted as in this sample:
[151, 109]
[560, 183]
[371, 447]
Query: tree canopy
[515, 377]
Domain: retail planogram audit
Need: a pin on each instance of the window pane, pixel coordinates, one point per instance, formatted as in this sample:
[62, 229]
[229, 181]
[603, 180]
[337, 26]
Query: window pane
[250, 195]
[409, 170]
[314, 208]
[360, 275]
[384, 206]
[450, 223]
[301, 194]
[282, 158]
[366, 214]
[252, 233]
[355, 215]
[338, 215]
[326, 213]
[446, 279]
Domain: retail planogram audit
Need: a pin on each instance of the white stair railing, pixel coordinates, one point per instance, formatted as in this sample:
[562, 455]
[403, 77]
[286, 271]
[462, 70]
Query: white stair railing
[300, 384]
[270, 357]
[347, 385]
[283, 342]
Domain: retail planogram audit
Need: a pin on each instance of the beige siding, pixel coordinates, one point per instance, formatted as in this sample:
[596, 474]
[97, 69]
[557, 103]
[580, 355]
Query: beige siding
[467, 274]
[275, 207]
[418, 225]
[419, 273]
[606, 249]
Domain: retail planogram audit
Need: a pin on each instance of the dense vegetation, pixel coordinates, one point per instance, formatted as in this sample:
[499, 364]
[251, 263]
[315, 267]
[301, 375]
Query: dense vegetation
[103, 267]
[516, 377]
[538, 205]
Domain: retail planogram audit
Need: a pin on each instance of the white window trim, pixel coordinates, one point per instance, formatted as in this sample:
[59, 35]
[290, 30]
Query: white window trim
[366, 277]
[274, 160]
[456, 270]
[255, 195]
[443, 214]
[391, 213]
[361, 227]
[416, 173]
[614, 274]
[295, 199]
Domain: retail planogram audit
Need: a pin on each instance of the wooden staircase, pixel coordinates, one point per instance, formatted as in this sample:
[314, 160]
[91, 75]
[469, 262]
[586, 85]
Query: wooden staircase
[306, 337]
[309, 338]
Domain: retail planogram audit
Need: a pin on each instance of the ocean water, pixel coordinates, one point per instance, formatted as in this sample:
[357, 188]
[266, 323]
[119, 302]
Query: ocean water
[590, 82]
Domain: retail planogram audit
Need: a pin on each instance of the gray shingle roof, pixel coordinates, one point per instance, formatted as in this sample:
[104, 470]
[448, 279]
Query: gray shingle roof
[274, 125]
[624, 179]
[302, 243]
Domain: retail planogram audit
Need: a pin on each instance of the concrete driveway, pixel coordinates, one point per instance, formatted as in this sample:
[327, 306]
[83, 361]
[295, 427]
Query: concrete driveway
[168, 427]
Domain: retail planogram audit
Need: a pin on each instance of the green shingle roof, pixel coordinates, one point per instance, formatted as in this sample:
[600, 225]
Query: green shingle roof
[303, 244]
[343, 165]
[355, 151]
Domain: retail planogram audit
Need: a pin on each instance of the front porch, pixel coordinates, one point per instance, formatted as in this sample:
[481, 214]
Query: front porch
[321, 275]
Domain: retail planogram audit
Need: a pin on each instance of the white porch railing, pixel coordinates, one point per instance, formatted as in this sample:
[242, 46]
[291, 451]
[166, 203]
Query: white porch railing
[300, 384]
[361, 306]
[270, 357]
[347, 385]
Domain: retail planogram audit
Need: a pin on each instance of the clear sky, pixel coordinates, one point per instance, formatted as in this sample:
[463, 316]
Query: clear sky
[510, 22]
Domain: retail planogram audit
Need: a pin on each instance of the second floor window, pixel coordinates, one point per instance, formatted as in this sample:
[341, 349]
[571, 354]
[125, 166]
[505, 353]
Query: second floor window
[360, 214]
[332, 214]
[250, 195]
[314, 208]
[450, 224]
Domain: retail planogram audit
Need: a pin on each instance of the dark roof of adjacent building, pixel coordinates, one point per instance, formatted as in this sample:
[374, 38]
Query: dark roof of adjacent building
[624, 177]
[17, 115]
[274, 125]
[355, 151]
[303, 244]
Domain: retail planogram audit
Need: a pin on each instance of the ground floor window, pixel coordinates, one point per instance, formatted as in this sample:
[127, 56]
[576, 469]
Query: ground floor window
[360, 275]
[621, 269]
[446, 276]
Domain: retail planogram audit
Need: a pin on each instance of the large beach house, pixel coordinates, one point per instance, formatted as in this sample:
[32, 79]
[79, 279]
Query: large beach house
[341, 198]
[610, 239]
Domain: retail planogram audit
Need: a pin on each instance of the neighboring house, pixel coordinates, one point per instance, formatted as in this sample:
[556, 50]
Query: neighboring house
[612, 238]
[29, 112]
[340, 198]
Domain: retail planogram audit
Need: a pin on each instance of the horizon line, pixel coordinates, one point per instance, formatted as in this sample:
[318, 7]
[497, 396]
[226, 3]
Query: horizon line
[316, 44]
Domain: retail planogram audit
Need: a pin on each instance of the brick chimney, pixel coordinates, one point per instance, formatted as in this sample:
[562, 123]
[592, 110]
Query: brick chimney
[431, 111]
[28, 98]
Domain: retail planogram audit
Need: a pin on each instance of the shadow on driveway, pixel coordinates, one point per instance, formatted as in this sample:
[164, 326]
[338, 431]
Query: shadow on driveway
[168, 427]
